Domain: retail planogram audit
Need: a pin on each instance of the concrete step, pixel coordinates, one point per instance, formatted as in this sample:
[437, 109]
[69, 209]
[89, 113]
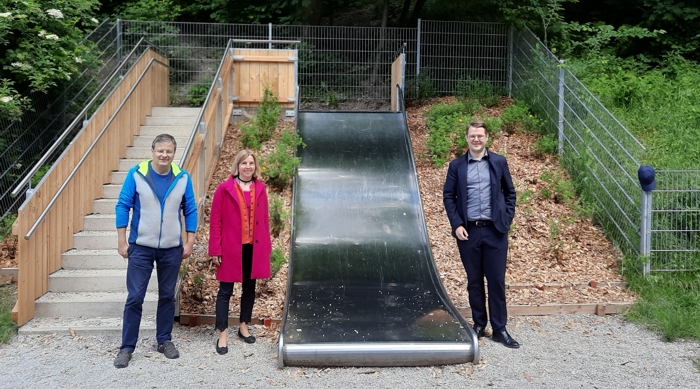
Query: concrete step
[126, 164]
[93, 259]
[104, 205]
[180, 131]
[147, 141]
[141, 153]
[93, 280]
[85, 326]
[170, 121]
[100, 222]
[111, 191]
[89, 304]
[176, 111]
[118, 178]
[95, 240]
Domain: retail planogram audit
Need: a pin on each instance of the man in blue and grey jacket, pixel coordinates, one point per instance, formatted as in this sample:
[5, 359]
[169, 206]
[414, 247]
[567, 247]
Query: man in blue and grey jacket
[157, 191]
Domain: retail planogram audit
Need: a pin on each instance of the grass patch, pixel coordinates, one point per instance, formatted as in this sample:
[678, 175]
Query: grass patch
[670, 303]
[8, 297]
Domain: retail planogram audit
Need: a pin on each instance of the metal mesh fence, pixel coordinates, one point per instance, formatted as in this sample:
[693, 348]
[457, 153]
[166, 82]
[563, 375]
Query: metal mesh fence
[24, 141]
[346, 67]
[454, 55]
[675, 229]
[597, 150]
[339, 67]
[193, 49]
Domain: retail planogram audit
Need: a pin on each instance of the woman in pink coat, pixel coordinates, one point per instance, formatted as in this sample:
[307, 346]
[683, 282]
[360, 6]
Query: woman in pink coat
[239, 242]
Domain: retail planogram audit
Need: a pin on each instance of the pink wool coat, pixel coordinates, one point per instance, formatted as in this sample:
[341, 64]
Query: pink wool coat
[226, 234]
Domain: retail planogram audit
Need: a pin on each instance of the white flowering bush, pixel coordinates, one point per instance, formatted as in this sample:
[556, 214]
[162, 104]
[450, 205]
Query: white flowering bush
[12, 104]
[42, 45]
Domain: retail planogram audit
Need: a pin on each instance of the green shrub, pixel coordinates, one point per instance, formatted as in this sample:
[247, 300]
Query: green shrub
[6, 225]
[425, 88]
[446, 127]
[267, 115]
[545, 193]
[8, 297]
[565, 192]
[197, 94]
[279, 166]
[546, 144]
[493, 124]
[278, 215]
[263, 124]
[524, 197]
[483, 91]
[277, 259]
[198, 281]
[517, 117]
[249, 136]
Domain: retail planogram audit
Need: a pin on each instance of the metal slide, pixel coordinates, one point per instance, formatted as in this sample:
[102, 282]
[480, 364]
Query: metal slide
[363, 289]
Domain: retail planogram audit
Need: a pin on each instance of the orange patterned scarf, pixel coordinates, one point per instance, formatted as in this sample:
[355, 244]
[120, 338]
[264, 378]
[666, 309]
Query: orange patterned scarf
[247, 219]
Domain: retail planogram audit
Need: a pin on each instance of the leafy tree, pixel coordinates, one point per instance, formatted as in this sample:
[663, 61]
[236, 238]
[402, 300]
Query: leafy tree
[42, 41]
[543, 15]
[150, 10]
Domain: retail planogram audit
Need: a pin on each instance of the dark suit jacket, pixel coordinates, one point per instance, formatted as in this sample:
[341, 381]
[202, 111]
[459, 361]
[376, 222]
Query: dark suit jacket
[454, 193]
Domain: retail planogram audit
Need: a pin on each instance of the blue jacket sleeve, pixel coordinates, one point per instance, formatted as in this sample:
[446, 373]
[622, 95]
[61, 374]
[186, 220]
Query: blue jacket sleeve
[126, 200]
[189, 207]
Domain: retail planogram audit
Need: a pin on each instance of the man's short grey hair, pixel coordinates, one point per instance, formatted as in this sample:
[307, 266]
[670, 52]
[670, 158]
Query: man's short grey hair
[163, 138]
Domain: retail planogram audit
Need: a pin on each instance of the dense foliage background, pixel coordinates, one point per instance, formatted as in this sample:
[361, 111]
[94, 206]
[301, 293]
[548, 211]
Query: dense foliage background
[42, 38]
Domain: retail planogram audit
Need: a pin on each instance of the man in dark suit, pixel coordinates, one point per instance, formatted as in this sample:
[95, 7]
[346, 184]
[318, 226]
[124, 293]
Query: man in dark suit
[479, 198]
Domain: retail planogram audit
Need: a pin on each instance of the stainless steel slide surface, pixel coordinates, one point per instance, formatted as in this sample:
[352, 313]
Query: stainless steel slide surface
[363, 289]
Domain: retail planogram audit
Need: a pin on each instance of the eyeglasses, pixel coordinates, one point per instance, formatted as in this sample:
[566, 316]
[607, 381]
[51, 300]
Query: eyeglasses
[164, 152]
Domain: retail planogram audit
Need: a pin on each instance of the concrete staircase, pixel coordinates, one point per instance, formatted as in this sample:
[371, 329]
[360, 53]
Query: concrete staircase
[87, 295]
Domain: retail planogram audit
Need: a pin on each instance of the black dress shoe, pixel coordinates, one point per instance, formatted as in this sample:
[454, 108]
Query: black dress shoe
[247, 339]
[504, 338]
[221, 350]
[480, 330]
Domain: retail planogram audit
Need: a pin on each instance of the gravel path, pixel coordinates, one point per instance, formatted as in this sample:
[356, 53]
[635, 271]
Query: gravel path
[567, 351]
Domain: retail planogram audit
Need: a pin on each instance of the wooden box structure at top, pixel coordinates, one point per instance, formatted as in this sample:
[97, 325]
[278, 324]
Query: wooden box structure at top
[256, 69]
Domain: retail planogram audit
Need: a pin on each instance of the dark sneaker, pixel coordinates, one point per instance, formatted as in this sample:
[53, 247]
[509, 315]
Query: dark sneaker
[122, 359]
[168, 349]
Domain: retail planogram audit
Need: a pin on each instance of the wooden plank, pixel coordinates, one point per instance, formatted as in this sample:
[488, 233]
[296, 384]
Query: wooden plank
[15, 313]
[560, 309]
[258, 58]
[259, 99]
[546, 286]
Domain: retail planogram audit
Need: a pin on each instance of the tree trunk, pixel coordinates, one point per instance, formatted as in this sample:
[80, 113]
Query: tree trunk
[375, 81]
[312, 12]
[416, 11]
[404, 13]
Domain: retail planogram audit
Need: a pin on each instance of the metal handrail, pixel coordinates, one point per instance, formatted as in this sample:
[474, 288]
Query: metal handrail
[74, 123]
[198, 122]
[92, 146]
[400, 50]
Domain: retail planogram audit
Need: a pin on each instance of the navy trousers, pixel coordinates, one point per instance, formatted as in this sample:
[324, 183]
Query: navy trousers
[484, 255]
[138, 273]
